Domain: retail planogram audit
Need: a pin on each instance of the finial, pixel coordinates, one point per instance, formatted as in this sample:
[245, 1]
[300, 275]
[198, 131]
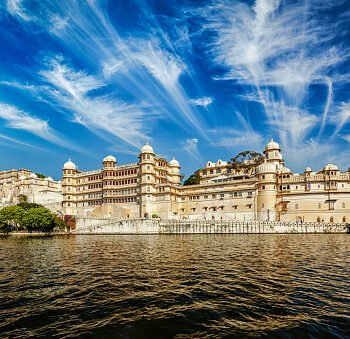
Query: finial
[271, 139]
[173, 158]
[147, 142]
[69, 159]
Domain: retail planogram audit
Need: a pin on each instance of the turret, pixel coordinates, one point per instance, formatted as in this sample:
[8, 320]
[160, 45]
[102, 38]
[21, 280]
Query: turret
[175, 169]
[68, 189]
[272, 153]
[147, 164]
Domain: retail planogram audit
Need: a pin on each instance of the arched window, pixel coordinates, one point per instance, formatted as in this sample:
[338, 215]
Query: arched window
[344, 219]
[296, 206]
[343, 205]
[319, 205]
[318, 219]
[331, 219]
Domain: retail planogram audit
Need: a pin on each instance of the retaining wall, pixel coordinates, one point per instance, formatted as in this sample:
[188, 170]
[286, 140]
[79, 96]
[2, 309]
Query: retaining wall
[105, 225]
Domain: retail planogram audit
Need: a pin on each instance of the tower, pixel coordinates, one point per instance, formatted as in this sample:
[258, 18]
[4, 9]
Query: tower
[147, 171]
[69, 202]
[266, 174]
[175, 172]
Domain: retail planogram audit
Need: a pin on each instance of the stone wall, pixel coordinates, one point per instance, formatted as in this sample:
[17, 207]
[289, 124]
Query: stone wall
[92, 225]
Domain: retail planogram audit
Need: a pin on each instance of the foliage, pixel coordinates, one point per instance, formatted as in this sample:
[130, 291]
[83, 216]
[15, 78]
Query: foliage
[10, 216]
[29, 205]
[39, 175]
[154, 216]
[193, 179]
[59, 222]
[22, 198]
[69, 220]
[246, 161]
[38, 219]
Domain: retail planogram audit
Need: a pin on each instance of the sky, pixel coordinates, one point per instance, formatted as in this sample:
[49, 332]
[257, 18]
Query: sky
[198, 80]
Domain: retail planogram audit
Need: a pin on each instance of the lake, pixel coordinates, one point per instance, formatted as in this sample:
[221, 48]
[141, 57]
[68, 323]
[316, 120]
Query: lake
[183, 286]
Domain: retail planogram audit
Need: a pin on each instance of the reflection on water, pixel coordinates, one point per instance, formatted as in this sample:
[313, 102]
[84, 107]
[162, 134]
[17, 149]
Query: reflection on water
[175, 286]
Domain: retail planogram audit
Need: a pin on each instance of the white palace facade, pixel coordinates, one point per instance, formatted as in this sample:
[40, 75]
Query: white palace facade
[44, 191]
[151, 188]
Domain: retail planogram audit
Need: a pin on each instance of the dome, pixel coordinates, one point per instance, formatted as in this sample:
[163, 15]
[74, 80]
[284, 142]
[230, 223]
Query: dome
[147, 149]
[331, 167]
[174, 162]
[272, 145]
[69, 165]
[110, 158]
[307, 169]
[266, 167]
[33, 176]
[49, 179]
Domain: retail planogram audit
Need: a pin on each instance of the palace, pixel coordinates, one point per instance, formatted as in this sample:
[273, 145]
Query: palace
[44, 191]
[151, 187]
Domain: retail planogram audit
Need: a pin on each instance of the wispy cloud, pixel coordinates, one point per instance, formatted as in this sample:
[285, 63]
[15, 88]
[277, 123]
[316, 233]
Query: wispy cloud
[191, 147]
[16, 9]
[21, 120]
[205, 101]
[16, 141]
[72, 90]
[278, 51]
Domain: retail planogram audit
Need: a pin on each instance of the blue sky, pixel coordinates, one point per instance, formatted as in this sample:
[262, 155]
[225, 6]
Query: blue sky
[200, 80]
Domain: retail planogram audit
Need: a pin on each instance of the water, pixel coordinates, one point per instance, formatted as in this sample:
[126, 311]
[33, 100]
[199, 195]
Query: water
[210, 286]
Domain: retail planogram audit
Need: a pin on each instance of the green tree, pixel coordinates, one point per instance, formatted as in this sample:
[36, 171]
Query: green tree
[38, 219]
[11, 215]
[22, 198]
[39, 175]
[29, 205]
[246, 161]
[193, 179]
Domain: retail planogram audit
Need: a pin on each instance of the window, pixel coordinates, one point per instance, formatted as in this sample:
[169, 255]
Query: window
[331, 219]
[235, 206]
[296, 206]
[148, 168]
[263, 176]
[319, 206]
[218, 171]
[344, 219]
[231, 194]
[250, 194]
[204, 172]
[211, 171]
[205, 197]
[213, 196]
[262, 205]
[343, 205]
[296, 187]
[263, 187]
[331, 205]
[249, 206]
[222, 195]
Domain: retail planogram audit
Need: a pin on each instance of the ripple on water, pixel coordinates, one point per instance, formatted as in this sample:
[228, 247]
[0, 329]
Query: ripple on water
[210, 286]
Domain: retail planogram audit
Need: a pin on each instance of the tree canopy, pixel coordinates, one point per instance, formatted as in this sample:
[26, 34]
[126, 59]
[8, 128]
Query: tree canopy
[29, 217]
[39, 175]
[193, 179]
[246, 161]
